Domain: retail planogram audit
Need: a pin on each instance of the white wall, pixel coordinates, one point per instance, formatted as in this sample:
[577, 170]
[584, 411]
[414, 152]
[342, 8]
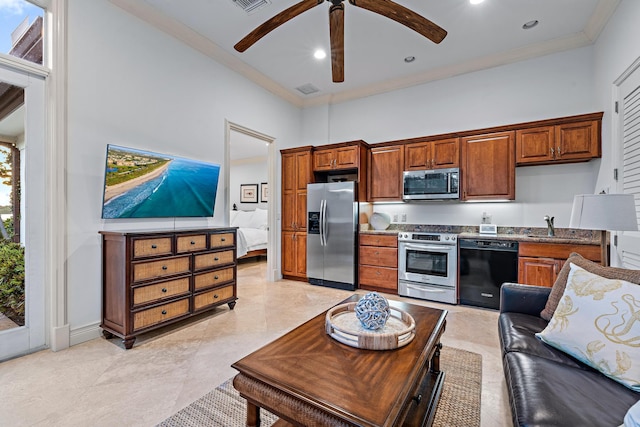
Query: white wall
[132, 85]
[552, 86]
[249, 171]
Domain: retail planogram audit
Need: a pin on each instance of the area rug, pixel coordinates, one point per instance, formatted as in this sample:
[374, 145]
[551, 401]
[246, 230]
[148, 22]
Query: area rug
[459, 403]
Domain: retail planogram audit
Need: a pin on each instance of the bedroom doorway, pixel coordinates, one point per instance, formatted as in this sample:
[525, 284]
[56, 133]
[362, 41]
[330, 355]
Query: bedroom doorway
[250, 177]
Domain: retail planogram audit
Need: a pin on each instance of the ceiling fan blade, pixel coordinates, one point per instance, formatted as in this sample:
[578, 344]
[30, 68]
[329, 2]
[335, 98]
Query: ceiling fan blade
[336, 34]
[275, 22]
[404, 16]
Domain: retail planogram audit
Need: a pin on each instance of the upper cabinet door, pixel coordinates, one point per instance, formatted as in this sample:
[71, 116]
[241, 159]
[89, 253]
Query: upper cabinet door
[445, 153]
[323, 159]
[385, 173]
[488, 167]
[417, 156]
[578, 141]
[347, 157]
[535, 145]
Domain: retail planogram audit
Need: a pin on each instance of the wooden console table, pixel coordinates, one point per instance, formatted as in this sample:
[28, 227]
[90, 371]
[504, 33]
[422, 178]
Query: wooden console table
[307, 378]
[153, 278]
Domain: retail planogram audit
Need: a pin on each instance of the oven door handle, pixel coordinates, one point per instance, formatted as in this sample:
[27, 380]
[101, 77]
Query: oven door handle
[426, 289]
[442, 248]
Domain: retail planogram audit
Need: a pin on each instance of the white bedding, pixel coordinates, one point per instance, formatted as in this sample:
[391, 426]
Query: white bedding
[251, 239]
[252, 230]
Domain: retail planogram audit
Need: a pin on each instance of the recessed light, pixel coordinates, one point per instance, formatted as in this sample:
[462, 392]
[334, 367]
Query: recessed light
[529, 25]
[409, 59]
[475, 1]
[319, 54]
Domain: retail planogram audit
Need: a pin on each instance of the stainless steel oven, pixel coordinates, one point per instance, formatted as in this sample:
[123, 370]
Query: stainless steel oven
[427, 266]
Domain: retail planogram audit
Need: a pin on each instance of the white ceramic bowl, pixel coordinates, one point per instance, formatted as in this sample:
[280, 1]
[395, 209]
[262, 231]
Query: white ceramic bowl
[380, 221]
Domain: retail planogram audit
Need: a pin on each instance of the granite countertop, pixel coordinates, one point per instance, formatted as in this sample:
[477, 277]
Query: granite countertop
[520, 234]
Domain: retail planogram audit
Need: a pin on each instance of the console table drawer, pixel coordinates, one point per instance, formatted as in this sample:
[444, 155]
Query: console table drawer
[191, 243]
[221, 240]
[143, 248]
[154, 269]
[213, 259]
[153, 316]
[212, 297]
[162, 290]
[212, 278]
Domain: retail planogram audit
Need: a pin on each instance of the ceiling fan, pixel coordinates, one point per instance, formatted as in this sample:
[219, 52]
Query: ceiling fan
[385, 8]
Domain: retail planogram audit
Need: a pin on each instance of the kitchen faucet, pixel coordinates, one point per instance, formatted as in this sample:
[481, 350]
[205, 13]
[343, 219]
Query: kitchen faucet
[550, 229]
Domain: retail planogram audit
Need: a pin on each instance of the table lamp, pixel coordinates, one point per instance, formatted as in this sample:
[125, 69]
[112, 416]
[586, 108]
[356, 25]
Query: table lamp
[604, 212]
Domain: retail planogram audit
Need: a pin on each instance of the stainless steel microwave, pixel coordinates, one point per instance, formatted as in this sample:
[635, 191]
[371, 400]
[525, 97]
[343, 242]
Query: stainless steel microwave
[434, 184]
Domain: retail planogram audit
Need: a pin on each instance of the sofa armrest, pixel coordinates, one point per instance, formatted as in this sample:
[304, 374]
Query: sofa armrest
[526, 299]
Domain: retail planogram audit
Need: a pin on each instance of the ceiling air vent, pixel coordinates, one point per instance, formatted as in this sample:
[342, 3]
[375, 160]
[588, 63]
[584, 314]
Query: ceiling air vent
[308, 89]
[251, 6]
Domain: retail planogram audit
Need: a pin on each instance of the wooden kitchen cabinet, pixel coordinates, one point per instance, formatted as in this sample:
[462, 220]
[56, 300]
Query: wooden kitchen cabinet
[540, 263]
[563, 143]
[336, 158]
[386, 165]
[488, 167]
[296, 174]
[378, 263]
[432, 154]
[154, 278]
[294, 255]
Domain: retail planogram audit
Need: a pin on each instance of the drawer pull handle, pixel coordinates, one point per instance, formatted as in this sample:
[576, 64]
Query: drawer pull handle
[164, 311]
[193, 243]
[154, 246]
[215, 277]
[417, 398]
[164, 267]
[223, 240]
[164, 290]
[216, 259]
[215, 296]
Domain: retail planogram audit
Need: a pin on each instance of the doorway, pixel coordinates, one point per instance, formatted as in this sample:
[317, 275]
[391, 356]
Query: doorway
[251, 155]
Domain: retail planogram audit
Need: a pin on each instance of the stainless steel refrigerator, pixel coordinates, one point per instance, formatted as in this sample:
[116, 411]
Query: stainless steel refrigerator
[332, 213]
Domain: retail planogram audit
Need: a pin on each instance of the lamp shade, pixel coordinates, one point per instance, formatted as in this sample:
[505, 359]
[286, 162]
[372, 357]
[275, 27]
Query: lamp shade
[616, 212]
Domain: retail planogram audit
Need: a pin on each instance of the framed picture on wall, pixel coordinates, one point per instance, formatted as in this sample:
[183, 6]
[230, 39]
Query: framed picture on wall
[248, 193]
[264, 192]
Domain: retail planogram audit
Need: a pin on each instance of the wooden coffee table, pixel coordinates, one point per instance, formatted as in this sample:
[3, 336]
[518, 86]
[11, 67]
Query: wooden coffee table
[309, 379]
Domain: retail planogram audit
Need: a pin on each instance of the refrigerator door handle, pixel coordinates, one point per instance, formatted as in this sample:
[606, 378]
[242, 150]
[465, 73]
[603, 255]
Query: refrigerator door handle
[322, 214]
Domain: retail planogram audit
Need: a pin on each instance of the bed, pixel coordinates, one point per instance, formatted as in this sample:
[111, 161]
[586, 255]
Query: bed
[252, 232]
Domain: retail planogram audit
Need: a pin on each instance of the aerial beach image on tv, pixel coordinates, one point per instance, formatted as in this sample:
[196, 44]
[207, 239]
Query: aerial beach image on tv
[143, 184]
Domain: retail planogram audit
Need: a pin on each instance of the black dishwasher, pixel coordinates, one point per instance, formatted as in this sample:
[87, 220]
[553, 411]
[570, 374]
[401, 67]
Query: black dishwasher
[484, 266]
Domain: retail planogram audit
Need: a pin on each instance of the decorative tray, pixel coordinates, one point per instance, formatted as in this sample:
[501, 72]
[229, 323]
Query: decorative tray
[342, 325]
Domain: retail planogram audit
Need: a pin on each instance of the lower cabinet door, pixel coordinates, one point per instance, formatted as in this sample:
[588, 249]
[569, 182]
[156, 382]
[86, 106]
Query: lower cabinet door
[378, 277]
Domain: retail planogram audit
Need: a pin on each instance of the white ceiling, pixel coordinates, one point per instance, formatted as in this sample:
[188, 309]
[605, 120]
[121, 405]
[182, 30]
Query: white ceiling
[479, 36]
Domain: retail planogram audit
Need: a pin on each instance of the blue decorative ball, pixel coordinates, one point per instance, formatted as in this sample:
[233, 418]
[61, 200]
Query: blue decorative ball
[373, 311]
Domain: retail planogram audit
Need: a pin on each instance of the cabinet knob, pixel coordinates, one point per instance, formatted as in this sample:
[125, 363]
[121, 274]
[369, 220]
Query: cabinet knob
[558, 150]
[223, 240]
[216, 259]
[154, 246]
[164, 311]
[164, 290]
[418, 398]
[215, 277]
[378, 273]
[164, 267]
[193, 243]
[553, 152]
[215, 296]
[377, 253]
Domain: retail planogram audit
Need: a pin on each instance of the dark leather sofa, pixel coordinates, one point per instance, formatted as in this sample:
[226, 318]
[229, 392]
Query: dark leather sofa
[547, 387]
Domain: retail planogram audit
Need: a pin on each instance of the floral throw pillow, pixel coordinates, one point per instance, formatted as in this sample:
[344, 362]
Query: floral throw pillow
[598, 322]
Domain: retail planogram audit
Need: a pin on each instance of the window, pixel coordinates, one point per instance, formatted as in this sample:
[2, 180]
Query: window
[21, 30]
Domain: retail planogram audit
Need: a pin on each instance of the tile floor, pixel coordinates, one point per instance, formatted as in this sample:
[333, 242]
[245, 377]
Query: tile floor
[98, 383]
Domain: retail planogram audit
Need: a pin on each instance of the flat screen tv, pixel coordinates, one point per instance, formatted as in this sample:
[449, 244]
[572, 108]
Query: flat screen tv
[143, 184]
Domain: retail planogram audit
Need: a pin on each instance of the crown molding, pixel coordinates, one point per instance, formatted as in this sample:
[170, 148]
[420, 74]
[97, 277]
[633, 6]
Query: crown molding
[197, 41]
[602, 13]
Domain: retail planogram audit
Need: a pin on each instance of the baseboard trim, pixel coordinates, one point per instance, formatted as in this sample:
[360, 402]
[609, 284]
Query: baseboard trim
[85, 333]
[60, 337]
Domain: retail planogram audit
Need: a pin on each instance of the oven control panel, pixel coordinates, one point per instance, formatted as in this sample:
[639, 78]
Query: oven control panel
[438, 238]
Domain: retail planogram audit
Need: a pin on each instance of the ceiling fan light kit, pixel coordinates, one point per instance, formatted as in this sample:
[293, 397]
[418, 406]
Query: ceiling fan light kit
[386, 8]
